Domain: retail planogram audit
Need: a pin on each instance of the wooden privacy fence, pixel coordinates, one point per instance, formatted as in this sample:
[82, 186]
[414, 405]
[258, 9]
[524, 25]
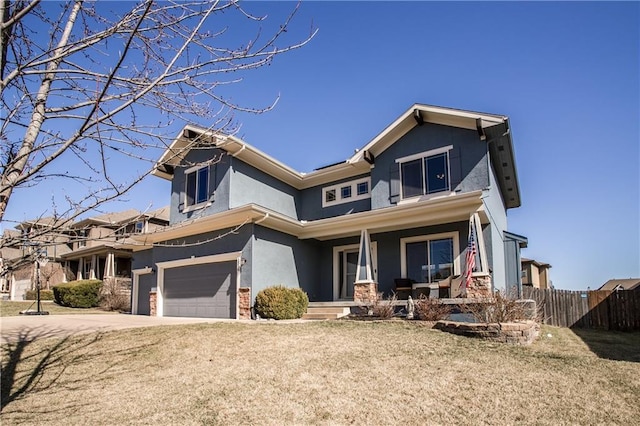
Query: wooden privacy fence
[609, 310]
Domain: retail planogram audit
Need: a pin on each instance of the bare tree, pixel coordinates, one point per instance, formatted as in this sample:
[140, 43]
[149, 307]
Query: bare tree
[95, 86]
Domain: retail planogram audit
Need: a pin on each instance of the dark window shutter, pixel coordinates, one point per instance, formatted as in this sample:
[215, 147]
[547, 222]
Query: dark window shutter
[213, 181]
[394, 183]
[455, 168]
[191, 189]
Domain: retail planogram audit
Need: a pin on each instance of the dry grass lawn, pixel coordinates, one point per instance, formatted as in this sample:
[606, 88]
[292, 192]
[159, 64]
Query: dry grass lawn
[13, 308]
[341, 372]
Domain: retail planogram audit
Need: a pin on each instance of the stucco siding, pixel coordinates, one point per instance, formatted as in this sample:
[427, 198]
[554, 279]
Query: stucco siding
[281, 259]
[468, 159]
[494, 207]
[312, 202]
[250, 185]
[202, 245]
[218, 185]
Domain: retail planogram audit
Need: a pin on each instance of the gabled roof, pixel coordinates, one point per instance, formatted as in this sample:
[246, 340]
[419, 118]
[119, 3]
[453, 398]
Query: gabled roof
[494, 129]
[535, 262]
[624, 284]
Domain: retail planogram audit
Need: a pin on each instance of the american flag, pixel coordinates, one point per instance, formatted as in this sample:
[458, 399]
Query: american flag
[470, 262]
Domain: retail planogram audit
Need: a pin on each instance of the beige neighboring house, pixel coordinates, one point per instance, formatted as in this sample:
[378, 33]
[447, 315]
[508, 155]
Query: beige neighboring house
[100, 243]
[94, 248]
[621, 284]
[22, 247]
[535, 274]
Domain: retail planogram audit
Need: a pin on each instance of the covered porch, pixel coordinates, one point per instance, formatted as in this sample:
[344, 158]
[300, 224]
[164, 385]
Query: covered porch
[97, 263]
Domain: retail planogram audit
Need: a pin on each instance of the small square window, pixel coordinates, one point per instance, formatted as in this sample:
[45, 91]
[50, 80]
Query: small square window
[330, 196]
[363, 188]
[345, 191]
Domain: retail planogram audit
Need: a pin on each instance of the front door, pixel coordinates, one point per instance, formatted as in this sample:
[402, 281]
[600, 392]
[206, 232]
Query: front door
[348, 268]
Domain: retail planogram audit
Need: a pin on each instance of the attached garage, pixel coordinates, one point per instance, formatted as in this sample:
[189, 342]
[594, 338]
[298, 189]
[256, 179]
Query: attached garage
[202, 291]
[202, 287]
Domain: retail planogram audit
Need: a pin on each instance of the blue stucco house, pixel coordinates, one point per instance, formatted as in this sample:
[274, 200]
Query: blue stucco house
[401, 207]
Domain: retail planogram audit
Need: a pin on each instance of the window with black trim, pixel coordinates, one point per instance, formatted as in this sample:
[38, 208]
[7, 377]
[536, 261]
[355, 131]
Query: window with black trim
[197, 186]
[425, 174]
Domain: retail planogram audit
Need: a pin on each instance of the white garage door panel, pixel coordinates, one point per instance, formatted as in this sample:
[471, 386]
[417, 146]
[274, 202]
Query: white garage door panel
[204, 291]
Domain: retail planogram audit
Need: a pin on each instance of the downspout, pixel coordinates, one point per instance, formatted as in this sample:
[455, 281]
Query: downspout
[262, 219]
[235, 154]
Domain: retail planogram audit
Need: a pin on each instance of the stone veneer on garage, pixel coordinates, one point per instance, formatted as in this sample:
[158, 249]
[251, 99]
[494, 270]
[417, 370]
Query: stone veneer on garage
[153, 297]
[244, 299]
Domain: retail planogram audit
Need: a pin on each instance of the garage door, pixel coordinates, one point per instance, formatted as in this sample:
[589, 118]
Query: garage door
[203, 291]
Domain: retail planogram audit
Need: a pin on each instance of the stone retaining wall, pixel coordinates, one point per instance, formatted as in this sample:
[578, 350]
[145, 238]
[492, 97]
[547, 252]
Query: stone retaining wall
[517, 333]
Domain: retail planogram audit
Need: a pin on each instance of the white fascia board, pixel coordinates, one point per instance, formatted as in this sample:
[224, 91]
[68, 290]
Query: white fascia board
[432, 114]
[453, 208]
[213, 222]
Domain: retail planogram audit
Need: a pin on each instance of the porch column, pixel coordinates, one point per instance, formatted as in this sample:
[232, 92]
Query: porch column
[365, 288]
[94, 265]
[110, 266]
[80, 269]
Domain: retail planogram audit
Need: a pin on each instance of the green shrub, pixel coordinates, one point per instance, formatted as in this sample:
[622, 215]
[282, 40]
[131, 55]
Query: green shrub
[78, 294]
[44, 294]
[279, 302]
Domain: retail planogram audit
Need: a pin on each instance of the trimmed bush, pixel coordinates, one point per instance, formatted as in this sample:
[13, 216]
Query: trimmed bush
[78, 294]
[44, 294]
[279, 302]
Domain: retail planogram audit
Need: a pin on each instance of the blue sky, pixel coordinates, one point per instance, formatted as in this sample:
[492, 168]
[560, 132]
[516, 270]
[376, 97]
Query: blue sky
[567, 75]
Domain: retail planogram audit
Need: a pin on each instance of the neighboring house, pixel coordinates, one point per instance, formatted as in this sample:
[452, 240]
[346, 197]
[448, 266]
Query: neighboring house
[535, 274]
[399, 208]
[96, 247]
[31, 241]
[621, 284]
[101, 243]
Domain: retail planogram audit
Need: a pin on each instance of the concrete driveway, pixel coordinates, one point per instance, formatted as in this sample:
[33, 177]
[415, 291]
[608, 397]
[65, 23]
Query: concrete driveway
[32, 327]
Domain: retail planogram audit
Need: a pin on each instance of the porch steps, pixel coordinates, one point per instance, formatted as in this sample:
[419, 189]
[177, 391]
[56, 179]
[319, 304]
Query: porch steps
[325, 311]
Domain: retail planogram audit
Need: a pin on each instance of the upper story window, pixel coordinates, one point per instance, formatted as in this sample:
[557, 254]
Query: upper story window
[345, 192]
[197, 186]
[82, 238]
[139, 227]
[425, 173]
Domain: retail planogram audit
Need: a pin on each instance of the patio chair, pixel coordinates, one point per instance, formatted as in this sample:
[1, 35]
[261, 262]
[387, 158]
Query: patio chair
[403, 287]
[456, 287]
[444, 288]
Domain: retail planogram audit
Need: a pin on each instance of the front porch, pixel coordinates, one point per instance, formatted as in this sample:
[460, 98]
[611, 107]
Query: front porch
[342, 308]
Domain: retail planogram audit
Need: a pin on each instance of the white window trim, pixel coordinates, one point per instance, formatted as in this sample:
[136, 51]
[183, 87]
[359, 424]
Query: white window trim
[354, 192]
[423, 155]
[216, 258]
[336, 264]
[203, 204]
[455, 235]
[429, 153]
